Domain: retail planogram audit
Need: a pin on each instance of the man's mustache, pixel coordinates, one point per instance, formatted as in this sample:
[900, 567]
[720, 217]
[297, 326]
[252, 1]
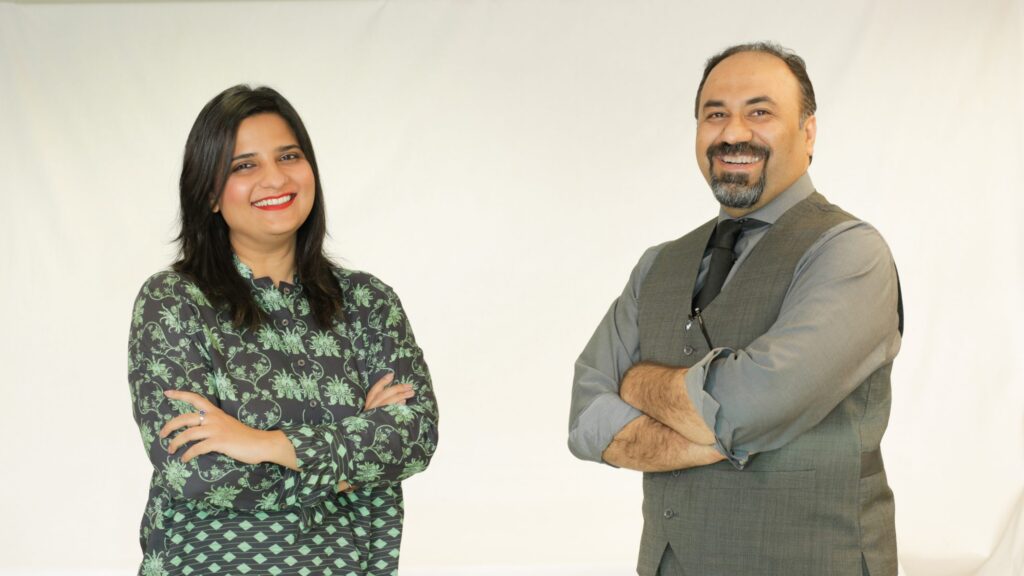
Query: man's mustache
[741, 148]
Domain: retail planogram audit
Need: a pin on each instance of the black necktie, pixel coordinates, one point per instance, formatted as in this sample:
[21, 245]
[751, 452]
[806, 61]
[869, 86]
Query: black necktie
[723, 242]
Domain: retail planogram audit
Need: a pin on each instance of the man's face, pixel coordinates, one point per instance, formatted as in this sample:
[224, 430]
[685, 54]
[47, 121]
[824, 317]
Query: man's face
[750, 144]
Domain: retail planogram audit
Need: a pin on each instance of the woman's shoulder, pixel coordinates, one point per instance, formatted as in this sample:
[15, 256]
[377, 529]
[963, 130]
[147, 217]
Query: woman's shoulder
[361, 288]
[348, 277]
[171, 285]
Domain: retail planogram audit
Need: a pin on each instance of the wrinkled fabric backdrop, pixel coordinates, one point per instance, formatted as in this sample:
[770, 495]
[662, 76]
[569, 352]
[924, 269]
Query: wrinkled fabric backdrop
[503, 164]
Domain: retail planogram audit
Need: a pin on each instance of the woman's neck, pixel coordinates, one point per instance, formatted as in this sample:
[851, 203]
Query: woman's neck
[276, 262]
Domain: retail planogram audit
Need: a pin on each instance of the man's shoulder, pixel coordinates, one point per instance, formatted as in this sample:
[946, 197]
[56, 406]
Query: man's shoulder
[650, 255]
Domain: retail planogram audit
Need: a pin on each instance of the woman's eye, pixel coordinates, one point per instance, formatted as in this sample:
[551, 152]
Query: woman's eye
[291, 156]
[241, 166]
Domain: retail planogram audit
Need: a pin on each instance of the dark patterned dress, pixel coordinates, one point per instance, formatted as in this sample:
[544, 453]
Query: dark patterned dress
[215, 515]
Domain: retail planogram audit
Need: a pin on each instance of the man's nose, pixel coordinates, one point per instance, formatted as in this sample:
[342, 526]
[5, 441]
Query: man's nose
[736, 130]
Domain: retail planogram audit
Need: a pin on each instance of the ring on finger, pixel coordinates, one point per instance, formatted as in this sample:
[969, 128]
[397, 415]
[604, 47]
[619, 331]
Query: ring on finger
[202, 417]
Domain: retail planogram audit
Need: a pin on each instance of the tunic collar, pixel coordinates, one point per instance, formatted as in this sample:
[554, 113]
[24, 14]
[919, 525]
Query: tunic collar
[263, 282]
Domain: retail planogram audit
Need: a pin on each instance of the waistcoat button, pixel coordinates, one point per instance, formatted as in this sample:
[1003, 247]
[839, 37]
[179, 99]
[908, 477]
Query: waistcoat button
[687, 349]
[669, 514]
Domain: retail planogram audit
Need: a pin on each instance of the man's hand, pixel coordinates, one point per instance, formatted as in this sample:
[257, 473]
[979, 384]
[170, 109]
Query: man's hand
[649, 446]
[660, 392]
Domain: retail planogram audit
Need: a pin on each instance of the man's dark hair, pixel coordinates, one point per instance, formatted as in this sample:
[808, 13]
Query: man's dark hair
[795, 64]
[205, 254]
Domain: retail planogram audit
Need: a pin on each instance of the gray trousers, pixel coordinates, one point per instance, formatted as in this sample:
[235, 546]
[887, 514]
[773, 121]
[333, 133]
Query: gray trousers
[670, 567]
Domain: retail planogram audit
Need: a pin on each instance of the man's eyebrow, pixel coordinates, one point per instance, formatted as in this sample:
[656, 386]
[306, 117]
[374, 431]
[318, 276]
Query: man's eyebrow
[750, 102]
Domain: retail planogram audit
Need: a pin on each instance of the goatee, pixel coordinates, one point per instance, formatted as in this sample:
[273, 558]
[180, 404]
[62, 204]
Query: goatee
[733, 189]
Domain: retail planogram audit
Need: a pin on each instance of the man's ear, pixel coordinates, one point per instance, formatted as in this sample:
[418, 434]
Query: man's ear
[810, 129]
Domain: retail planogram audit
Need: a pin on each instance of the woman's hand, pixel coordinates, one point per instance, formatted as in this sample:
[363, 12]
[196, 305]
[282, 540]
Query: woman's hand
[383, 393]
[380, 394]
[213, 430]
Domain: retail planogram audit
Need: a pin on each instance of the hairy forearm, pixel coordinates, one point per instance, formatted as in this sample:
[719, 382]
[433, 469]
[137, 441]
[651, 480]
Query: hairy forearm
[649, 446]
[660, 392]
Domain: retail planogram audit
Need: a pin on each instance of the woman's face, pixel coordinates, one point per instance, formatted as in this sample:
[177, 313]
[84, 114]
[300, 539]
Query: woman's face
[270, 189]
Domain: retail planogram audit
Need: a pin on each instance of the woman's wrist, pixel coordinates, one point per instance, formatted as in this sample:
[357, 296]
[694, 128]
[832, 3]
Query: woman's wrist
[279, 449]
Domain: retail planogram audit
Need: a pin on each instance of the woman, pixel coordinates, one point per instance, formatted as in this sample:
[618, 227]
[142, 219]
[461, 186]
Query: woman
[281, 399]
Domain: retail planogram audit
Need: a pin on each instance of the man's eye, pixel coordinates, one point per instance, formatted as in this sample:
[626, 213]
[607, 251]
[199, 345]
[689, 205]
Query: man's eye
[759, 113]
[716, 115]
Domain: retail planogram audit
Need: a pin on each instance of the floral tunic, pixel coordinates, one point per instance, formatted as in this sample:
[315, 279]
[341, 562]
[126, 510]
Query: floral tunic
[217, 515]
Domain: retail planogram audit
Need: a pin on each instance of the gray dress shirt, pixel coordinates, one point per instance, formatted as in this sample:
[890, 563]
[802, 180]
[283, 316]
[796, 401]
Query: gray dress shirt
[737, 391]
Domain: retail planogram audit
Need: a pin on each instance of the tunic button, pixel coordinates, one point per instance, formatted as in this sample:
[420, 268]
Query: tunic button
[287, 290]
[301, 362]
[284, 322]
[668, 514]
[312, 403]
[687, 349]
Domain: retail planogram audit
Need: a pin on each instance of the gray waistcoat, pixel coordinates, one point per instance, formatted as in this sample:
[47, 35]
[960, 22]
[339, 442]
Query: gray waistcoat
[812, 507]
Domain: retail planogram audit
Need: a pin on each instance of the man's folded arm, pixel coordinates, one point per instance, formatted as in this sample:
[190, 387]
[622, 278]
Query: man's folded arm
[660, 392]
[650, 446]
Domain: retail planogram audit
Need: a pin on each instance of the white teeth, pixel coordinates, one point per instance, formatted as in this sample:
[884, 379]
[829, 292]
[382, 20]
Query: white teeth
[274, 201]
[739, 159]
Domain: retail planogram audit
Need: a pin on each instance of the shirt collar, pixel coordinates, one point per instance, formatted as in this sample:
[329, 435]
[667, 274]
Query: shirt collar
[264, 282]
[772, 211]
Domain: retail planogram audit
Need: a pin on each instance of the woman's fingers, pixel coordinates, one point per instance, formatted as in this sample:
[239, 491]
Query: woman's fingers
[204, 447]
[378, 387]
[391, 395]
[190, 435]
[191, 398]
[190, 419]
[204, 409]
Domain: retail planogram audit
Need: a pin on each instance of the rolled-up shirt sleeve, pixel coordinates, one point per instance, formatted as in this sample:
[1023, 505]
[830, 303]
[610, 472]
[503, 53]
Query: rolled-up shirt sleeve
[837, 325]
[597, 412]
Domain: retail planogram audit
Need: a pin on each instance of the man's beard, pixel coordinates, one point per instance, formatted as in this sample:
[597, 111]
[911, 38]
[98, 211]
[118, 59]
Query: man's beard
[732, 189]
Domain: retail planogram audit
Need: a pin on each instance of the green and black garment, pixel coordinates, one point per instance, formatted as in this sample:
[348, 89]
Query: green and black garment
[217, 515]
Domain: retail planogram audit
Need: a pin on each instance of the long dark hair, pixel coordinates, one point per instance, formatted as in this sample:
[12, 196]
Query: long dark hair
[205, 255]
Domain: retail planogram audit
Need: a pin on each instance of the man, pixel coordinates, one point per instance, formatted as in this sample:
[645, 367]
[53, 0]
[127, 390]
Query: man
[745, 367]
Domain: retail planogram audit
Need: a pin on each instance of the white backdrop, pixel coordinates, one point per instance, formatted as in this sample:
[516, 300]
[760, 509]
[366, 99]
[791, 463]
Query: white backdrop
[490, 159]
